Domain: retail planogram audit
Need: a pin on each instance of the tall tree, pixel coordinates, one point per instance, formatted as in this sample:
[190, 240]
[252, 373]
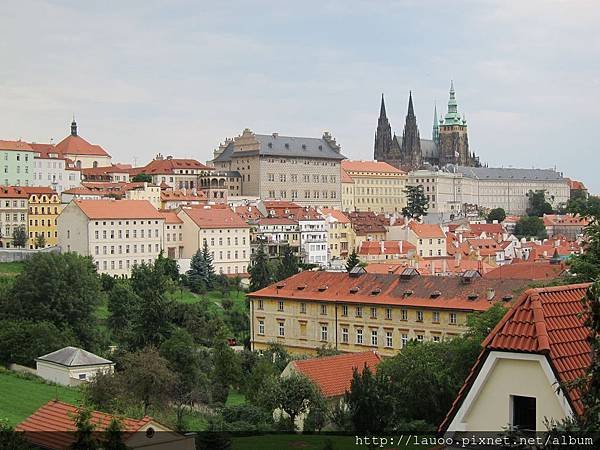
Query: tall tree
[123, 306]
[497, 214]
[210, 268]
[227, 369]
[352, 261]
[586, 267]
[63, 289]
[538, 206]
[141, 178]
[202, 272]
[289, 264]
[531, 226]
[40, 241]
[366, 402]
[260, 276]
[84, 433]
[168, 266]
[417, 203]
[19, 237]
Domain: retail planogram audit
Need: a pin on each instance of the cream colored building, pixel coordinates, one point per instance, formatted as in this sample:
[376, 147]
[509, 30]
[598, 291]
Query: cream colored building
[226, 234]
[144, 191]
[70, 366]
[117, 234]
[303, 170]
[361, 311]
[81, 152]
[173, 234]
[13, 213]
[521, 378]
[341, 237]
[429, 239]
[450, 190]
[377, 186]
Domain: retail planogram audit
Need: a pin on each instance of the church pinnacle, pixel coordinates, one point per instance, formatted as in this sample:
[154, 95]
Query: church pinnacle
[383, 135]
[382, 110]
[73, 127]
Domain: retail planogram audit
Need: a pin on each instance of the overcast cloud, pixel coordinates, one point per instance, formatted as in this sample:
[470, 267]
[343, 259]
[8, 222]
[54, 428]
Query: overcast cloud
[177, 77]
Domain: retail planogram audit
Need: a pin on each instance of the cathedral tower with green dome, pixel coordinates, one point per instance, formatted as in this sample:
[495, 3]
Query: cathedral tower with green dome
[453, 140]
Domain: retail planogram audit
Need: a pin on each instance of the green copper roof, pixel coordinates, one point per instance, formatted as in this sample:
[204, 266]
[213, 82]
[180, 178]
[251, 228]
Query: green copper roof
[452, 117]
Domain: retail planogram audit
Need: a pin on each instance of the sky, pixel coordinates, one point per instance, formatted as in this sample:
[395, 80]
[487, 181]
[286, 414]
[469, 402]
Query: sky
[178, 77]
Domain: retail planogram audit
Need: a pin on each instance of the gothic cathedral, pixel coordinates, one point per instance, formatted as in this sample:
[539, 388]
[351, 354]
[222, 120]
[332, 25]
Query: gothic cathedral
[449, 143]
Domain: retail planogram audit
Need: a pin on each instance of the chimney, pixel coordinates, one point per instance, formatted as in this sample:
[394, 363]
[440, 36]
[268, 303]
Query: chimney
[490, 294]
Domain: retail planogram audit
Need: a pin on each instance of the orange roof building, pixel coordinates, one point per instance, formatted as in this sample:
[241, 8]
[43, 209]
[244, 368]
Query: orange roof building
[53, 427]
[81, 152]
[333, 374]
[543, 343]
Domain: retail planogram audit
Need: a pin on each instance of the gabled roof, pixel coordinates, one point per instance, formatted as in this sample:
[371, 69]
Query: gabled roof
[527, 270]
[20, 146]
[336, 214]
[214, 217]
[370, 166]
[385, 248]
[76, 145]
[170, 216]
[118, 209]
[73, 357]
[13, 192]
[547, 321]
[171, 165]
[345, 177]
[53, 424]
[426, 230]
[386, 289]
[333, 374]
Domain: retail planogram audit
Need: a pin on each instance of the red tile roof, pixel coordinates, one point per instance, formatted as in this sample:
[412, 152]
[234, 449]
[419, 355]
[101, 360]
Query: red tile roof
[565, 220]
[170, 216]
[43, 149]
[170, 165]
[546, 321]
[488, 228]
[181, 196]
[333, 374]
[76, 145]
[211, 217]
[118, 209]
[13, 192]
[336, 214]
[385, 289]
[370, 166]
[52, 425]
[345, 177]
[576, 185]
[452, 266]
[426, 230]
[527, 270]
[21, 146]
[276, 221]
[385, 248]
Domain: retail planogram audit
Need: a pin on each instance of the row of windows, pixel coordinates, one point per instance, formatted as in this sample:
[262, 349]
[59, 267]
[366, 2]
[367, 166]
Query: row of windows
[119, 249]
[305, 177]
[307, 194]
[221, 241]
[15, 203]
[127, 233]
[373, 312]
[34, 222]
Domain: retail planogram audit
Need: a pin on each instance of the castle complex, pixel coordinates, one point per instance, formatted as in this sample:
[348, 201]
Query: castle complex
[449, 143]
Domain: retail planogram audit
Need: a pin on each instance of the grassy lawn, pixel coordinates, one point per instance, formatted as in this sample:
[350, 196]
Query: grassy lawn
[304, 442]
[20, 397]
[11, 268]
[235, 398]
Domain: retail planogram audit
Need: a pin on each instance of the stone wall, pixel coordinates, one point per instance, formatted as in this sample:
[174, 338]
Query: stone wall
[21, 254]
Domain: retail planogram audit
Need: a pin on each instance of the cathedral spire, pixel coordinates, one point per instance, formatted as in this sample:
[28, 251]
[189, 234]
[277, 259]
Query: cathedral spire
[411, 142]
[452, 117]
[382, 110]
[73, 127]
[436, 126]
[411, 110]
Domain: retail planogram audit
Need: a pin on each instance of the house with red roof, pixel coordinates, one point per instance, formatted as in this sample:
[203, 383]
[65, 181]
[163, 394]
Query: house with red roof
[226, 234]
[570, 226]
[429, 239]
[52, 427]
[81, 152]
[521, 377]
[341, 239]
[382, 251]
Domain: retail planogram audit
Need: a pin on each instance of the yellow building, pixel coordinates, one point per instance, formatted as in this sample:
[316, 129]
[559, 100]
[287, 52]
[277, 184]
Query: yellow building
[341, 234]
[44, 207]
[376, 186]
[361, 311]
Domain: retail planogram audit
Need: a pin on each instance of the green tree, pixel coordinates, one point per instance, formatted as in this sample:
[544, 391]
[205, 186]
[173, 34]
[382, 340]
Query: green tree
[40, 241]
[294, 394]
[147, 378]
[260, 276]
[123, 305]
[352, 261]
[227, 369]
[19, 237]
[289, 264]
[538, 206]
[255, 384]
[11, 439]
[168, 266]
[590, 384]
[531, 226]
[417, 203]
[496, 214]
[586, 206]
[141, 178]
[586, 267]
[367, 402]
[21, 341]
[202, 273]
[114, 435]
[84, 433]
[61, 288]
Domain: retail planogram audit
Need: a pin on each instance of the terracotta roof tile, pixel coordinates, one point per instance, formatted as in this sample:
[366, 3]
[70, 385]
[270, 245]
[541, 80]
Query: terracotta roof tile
[426, 230]
[13, 192]
[385, 248]
[211, 217]
[527, 270]
[370, 166]
[76, 145]
[170, 165]
[118, 209]
[52, 425]
[391, 289]
[336, 214]
[170, 216]
[21, 146]
[547, 321]
[333, 374]
[345, 177]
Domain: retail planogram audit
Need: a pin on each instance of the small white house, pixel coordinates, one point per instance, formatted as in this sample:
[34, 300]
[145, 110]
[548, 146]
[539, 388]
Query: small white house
[70, 366]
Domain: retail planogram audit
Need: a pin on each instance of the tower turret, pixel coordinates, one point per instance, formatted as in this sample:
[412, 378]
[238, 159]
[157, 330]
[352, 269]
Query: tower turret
[383, 136]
